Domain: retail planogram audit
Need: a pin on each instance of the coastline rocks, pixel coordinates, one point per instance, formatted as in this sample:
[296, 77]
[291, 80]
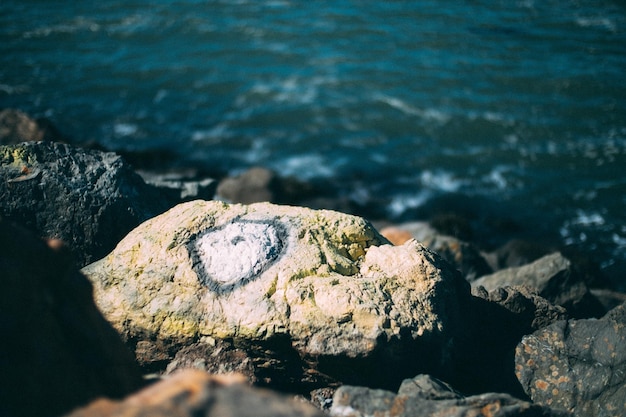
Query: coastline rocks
[17, 126]
[192, 393]
[554, 278]
[464, 256]
[577, 365]
[318, 294]
[57, 350]
[496, 324]
[88, 199]
[427, 396]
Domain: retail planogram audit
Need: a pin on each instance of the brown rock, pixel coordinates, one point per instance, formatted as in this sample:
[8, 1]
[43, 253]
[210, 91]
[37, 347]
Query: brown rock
[194, 393]
[16, 126]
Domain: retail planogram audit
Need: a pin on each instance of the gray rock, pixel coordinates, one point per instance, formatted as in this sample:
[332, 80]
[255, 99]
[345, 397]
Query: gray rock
[554, 278]
[193, 393]
[179, 188]
[57, 350]
[318, 295]
[88, 199]
[496, 323]
[427, 396]
[577, 365]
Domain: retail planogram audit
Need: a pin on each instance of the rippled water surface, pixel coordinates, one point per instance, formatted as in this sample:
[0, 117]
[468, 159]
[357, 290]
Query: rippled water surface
[521, 102]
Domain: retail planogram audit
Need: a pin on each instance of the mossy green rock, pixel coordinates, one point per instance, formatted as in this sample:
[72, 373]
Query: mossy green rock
[325, 281]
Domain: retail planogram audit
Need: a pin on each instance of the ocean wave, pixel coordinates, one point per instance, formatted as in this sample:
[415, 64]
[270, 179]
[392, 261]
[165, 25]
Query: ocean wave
[78, 24]
[428, 114]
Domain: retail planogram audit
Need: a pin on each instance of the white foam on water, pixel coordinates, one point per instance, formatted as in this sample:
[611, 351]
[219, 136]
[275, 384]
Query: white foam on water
[401, 203]
[441, 180]
[306, 167]
[125, 129]
[406, 108]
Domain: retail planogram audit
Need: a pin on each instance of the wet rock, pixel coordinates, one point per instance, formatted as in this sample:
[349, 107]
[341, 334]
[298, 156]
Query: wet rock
[554, 278]
[57, 350]
[577, 365]
[17, 126]
[464, 256]
[319, 295]
[194, 393]
[427, 396]
[496, 324]
[89, 199]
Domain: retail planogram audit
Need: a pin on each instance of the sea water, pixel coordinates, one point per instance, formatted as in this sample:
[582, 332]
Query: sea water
[519, 102]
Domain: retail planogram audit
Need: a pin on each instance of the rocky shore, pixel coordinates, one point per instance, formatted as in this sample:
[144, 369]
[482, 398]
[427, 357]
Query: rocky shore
[136, 291]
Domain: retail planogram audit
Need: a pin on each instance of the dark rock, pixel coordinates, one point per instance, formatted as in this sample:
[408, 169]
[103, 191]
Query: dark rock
[17, 126]
[554, 278]
[577, 365]
[89, 199]
[214, 356]
[608, 298]
[519, 252]
[427, 396]
[57, 351]
[194, 393]
[497, 322]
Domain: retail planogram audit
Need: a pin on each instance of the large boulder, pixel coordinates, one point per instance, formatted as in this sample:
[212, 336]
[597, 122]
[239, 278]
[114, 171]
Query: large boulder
[577, 365]
[428, 396]
[193, 393]
[57, 350]
[554, 278]
[310, 295]
[87, 198]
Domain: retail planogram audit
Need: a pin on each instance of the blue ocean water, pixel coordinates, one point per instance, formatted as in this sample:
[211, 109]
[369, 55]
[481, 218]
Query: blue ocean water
[522, 102]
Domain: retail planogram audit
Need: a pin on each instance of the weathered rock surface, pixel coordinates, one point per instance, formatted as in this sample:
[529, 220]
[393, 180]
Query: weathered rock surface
[318, 294]
[88, 199]
[554, 278]
[193, 393]
[496, 323]
[57, 350]
[464, 256]
[17, 126]
[577, 365]
[427, 396]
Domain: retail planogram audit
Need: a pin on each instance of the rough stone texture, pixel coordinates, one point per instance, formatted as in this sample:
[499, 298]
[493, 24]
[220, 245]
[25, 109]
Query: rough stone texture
[554, 278]
[215, 357]
[57, 350]
[464, 256]
[286, 284]
[193, 393]
[496, 323]
[427, 396]
[88, 199]
[577, 365]
[17, 126]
